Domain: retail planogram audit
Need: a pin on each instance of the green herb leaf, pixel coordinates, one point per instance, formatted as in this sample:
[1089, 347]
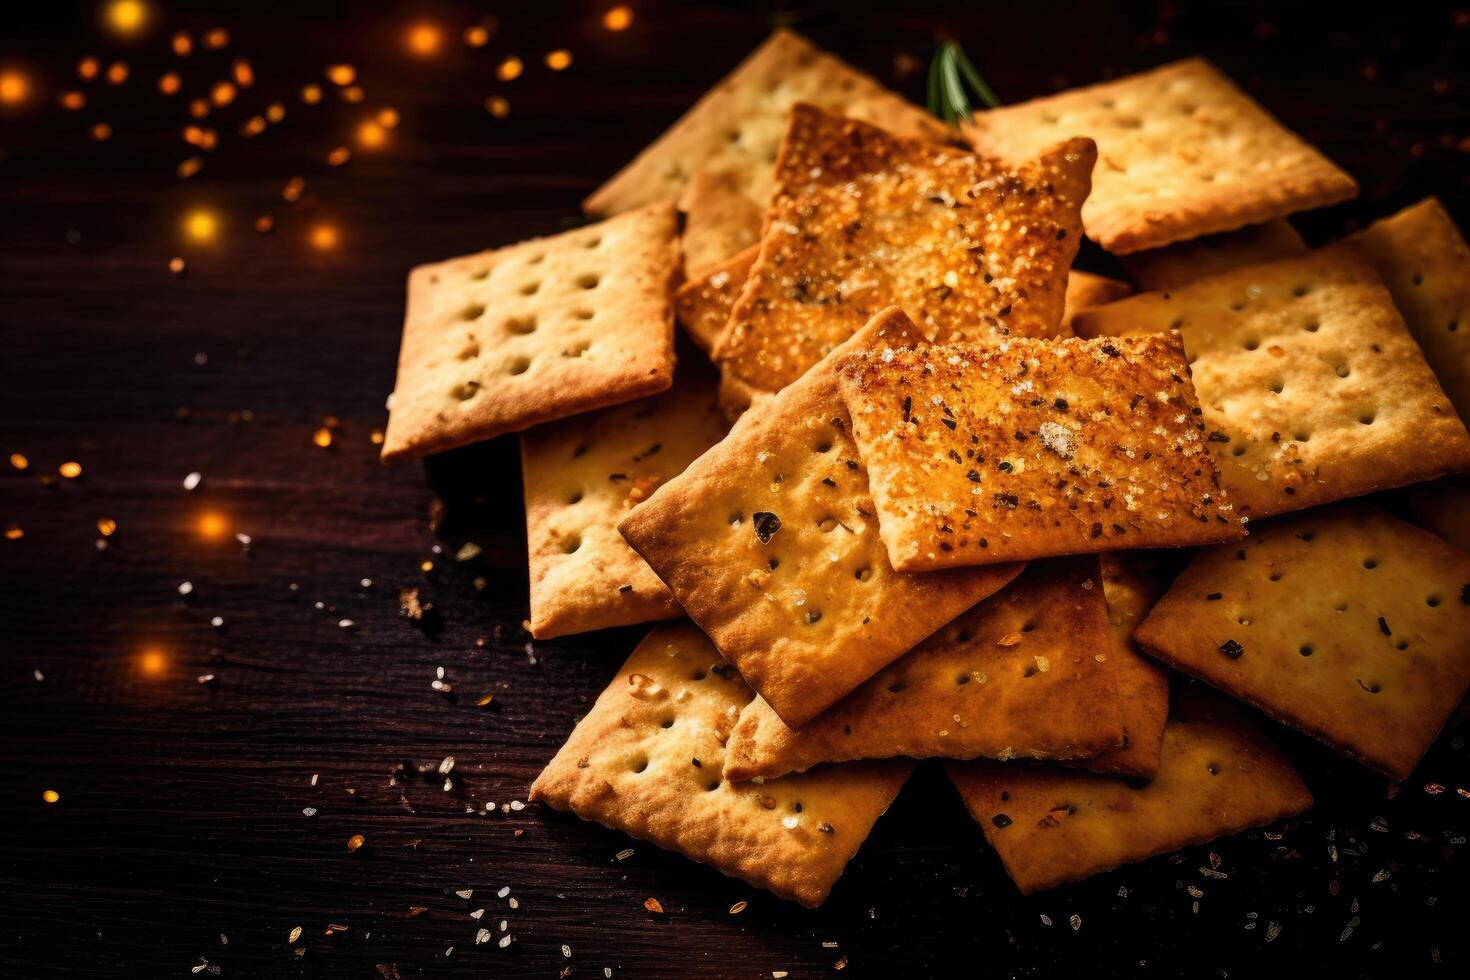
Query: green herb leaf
[955, 85]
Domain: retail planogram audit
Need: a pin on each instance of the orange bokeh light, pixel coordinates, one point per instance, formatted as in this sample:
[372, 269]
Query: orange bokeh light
[212, 525]
[126, 17]
[152, 662]
[15, 87]
[619, 18]
[371, 136]
[424, 39]
[324, 238]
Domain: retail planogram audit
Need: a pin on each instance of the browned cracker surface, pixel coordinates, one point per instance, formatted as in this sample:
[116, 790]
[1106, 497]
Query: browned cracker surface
[736, 127]
[646, 760]
[1218, 774]
[1031, 448]
[1182, 152]
[581, 476]
[1132, 583]
[507, 339]
[1086, 289]
[1024, 673]
[703, 304]
[1343, 622]
[1425, 264]
[1312, 388]
[862, 219]
[1183, 262]
[719, 222]
[770, 543]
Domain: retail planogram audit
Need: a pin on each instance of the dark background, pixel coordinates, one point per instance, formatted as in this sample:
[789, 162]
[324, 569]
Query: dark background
[179, 833]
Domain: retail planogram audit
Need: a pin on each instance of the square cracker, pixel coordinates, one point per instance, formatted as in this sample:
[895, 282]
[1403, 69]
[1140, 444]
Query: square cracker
[862, 219]
[1132, 583]
[1425, 264]
[1218, 774]
[507, 339]
[719, 223]
[1182, 152]
[1342, 622]
[769, 542]
[1086, 289]
[736, 127]
[1312, 388]
[1441, 506]
[582, 475]
[646, 760]
[1032, 448]
[703, 304]
[1183, 262]
[1020, 675]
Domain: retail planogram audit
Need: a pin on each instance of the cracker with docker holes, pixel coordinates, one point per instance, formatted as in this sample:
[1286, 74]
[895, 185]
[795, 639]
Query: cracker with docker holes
[507, 339]
[1425, 264]
[1183, 262]
[582, 475]
[1032, 448]
[736, 127]
[1218, 774]
[1132, 583]
[1312, 388]
[770, 543]
[1344, 623]
[719, 223]
[1182, 152]
[1084, 290]
[862, 219]
[646, 760]
[1023, 674]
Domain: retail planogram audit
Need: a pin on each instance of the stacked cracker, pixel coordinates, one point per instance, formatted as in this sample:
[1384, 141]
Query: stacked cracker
[921, 537]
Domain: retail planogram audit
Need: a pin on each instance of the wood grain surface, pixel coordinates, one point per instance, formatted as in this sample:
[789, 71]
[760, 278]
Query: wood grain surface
[179, 839]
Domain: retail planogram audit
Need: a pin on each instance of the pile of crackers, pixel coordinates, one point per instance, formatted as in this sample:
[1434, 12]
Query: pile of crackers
[918, 488]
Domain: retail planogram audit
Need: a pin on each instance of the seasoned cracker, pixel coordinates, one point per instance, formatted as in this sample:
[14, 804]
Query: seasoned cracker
[862, 219]
[1342, 622]
[1312, 388]
[1182, 152]
[582, 475]
[703, 304]
[770, 543]
[1132, 583]
[1023, 674]
[1219, 774]
[507, 339]
[719, 223]
[1184, 262]
[1425, 264]
[646, 760]
[1085, 289]
[1030, 448]
[736, 127]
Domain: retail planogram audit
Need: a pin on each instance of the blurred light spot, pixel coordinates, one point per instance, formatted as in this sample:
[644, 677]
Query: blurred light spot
[190, 167]
[388, 118]
[510, 69]
[72, 101]
[352, 93]
[50, 796]
[497, 107]
[13, 532]
[222, 94]
[212, 525]
[176, 266]
[244, 74]
[311, 94]
[339, 156]
[619, 18]
[253, 126]
[152, 663]
[292, 190]
[19, 461]
[341, 74]
[265, 224]
[201, 225]
[106, 527]
[217, 38]
[371, 136]
[275, 112]
[324, 238]
[88, 68]
[117, 73]
[101, 132]
[424, 39]
[70, 469]
[183, 44]
[199, 108]
[169, 83]
[127, 17]
[322, 437]
[477, 36]
[559, 60]
[14, 87]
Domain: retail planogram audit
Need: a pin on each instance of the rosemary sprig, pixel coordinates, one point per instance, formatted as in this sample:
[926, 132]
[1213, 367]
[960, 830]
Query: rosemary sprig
[955, 85]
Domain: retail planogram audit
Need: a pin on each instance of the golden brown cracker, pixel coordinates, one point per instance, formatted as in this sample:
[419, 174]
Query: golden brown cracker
[1342, 622]
[1182, 152]
[1184, 262]
[1132, 583]
[1086, 289]
[646, 760]
[703, 304]
[719, 223]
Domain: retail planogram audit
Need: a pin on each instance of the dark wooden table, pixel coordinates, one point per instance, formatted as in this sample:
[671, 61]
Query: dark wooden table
[181, 837]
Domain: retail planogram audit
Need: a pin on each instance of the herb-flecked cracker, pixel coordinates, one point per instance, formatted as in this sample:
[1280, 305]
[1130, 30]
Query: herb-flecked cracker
[1026, 673]
[1031, 448]
[1312, 388]
[1182, 152]
[1218, 774]
[770, 543]
[581, 476]
[646, 760]
[1425, 264]
[736, 127]
[703, 304]
[719, 223]
[1183, 262]
[507, 339]
[862, 219]
[1342, 622]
